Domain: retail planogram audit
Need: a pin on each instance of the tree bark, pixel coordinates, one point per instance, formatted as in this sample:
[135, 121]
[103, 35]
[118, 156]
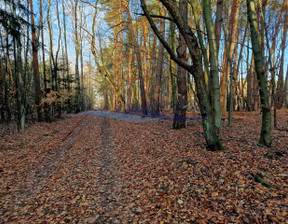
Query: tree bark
[139, 62]
[218, 23]
[159, 71]
[265, 138]
[233, 24]
[195, 11]
[171, 69]
[179, 120]
[280, 86]
[212, 140]
[214, 75]
[286, 86]
[2, 81]
[77, 54]
[37, 87]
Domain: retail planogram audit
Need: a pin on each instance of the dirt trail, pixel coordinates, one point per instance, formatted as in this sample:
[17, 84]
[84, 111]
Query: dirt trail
[52, 162]
[56, 173]
[107, 178]
[96, 170]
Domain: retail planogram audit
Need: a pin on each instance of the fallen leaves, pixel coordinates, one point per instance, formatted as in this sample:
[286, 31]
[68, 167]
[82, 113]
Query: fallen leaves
[87, 169]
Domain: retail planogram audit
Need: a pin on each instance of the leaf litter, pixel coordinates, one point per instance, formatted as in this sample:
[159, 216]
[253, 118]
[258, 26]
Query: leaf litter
[90, 169]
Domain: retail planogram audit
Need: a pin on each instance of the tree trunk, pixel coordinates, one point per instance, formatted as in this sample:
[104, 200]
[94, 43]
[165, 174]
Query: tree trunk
[8, 74]
[130, 75]
[77, 53]
[66, 67]
[56, 72]
[260, 70]
[43, 44]
[172, 78]
[46, 106]
[35, 64]
[286, 86]
[233, 24]
[195, 11]
[272, 71]
[159, 71]
[236, 72]
[250, 80]
[214, 75]
[139, 63]
[81, 78]
[212, 140]
[280, 86]
[16, 72]
[179, 120]
[2, 81]
[218, 23]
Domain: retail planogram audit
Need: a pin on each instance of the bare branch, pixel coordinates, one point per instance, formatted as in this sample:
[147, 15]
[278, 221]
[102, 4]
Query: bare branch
[162, 40]
[156, 16]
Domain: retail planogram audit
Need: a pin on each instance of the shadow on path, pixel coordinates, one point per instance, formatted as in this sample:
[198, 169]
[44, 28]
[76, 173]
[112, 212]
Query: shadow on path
[108, 174]
[121, 116]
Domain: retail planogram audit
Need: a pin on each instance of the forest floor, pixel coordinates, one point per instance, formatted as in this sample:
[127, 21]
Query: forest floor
[91, 169]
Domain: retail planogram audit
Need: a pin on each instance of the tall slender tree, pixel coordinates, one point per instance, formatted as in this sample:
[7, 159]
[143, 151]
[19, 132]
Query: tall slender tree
[179, 120]
[138, 58]
[265, 138]
[159, 71]
[214, 74]
[35, 64]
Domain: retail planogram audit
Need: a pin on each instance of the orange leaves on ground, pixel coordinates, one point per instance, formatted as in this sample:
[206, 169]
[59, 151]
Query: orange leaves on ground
[86, 169]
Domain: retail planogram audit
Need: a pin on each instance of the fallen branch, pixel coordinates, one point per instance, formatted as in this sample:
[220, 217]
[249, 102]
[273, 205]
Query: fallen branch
[259, 178]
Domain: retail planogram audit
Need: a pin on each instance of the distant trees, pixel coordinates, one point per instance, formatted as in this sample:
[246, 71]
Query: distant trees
[138, 57]
[178, 55]
[28, 86]
[15, 45]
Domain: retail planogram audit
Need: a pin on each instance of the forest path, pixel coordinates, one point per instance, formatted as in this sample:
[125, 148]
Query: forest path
[76, 174]
[108, 181]
[97, 169]
[121, 116]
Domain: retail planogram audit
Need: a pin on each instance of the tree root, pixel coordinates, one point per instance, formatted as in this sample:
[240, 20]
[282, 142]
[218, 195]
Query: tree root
[259, 178]
[276, 154]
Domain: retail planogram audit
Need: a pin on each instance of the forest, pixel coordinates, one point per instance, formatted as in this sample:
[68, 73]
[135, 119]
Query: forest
[143, 111]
